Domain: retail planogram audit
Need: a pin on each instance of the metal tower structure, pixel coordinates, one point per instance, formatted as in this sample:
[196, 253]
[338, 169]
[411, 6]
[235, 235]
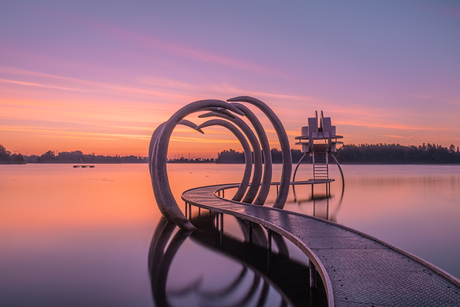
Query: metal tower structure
[319, 140]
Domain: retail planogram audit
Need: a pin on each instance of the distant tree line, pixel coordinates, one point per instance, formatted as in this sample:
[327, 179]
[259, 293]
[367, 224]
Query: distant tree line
[351, 154]
[368, 154]
[66, 157]
[7, 157]
[191, 160]
[232, 156]
[397, 154]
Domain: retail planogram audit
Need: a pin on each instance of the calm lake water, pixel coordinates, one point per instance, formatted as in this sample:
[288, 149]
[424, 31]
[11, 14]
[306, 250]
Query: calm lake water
[75, 237]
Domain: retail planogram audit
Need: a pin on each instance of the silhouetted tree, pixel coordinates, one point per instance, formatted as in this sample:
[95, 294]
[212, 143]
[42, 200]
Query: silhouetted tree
[5, 156]
[230, 156]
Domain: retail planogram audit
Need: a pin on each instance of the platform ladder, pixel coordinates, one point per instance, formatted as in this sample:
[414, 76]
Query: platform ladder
[320, 165]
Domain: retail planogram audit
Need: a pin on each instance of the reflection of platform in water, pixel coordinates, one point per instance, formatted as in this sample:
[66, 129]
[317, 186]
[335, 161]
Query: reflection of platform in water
[356, 269]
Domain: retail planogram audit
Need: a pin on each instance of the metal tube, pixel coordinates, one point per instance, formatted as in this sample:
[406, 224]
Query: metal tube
[269, 248]
[269, 241]
[221, 222]
[221, 232]
[284, 144]
[250, 232]
[312, 275]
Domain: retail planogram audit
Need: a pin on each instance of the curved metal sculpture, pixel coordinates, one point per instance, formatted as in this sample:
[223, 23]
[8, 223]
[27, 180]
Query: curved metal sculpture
[259, 185]
[247, 153]
[284, 144]
[267, 177]
[255, 183]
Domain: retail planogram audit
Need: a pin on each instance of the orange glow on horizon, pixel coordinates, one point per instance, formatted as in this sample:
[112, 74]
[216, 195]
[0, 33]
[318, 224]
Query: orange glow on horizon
[108, 85]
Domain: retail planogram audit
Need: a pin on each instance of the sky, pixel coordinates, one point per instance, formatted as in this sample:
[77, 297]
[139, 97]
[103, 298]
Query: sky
[100, 76]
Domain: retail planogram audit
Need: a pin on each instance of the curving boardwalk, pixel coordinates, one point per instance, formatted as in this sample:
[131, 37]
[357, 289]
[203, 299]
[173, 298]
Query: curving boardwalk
[356, 269]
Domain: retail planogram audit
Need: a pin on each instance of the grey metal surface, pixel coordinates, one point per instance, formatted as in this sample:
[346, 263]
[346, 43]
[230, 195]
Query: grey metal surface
[247, 153]
[159, 144]
[356, 269]
[257, 176]
[284, 144]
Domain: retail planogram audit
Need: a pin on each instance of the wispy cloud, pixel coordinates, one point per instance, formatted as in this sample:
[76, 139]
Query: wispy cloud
[41, 85]
[203, 140]
[166, 46]
[397, 136]
[84, 85]
[395, 126]
[75, 134]
[422, 96]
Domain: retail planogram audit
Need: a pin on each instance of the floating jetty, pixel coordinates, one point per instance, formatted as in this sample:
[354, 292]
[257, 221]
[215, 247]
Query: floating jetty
[356, 269]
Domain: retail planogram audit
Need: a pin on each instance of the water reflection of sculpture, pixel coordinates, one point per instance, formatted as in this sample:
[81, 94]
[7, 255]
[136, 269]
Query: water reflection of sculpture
[269, 270]
[159, 148]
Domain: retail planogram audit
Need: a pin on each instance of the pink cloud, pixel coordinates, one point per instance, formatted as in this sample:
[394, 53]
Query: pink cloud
[41, 85]
[165, 46]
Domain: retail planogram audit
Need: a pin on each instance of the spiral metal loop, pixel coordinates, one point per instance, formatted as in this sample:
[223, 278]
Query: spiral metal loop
[228, 114]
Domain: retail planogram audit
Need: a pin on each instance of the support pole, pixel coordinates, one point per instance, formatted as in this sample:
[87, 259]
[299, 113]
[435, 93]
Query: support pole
[269, 248]
[221, 230]
[312, 275]
[250, 233]
[221, 222]
[269, 240]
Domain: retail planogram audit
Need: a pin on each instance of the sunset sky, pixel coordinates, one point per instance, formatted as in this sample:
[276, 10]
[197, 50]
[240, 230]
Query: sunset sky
[100, 76]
